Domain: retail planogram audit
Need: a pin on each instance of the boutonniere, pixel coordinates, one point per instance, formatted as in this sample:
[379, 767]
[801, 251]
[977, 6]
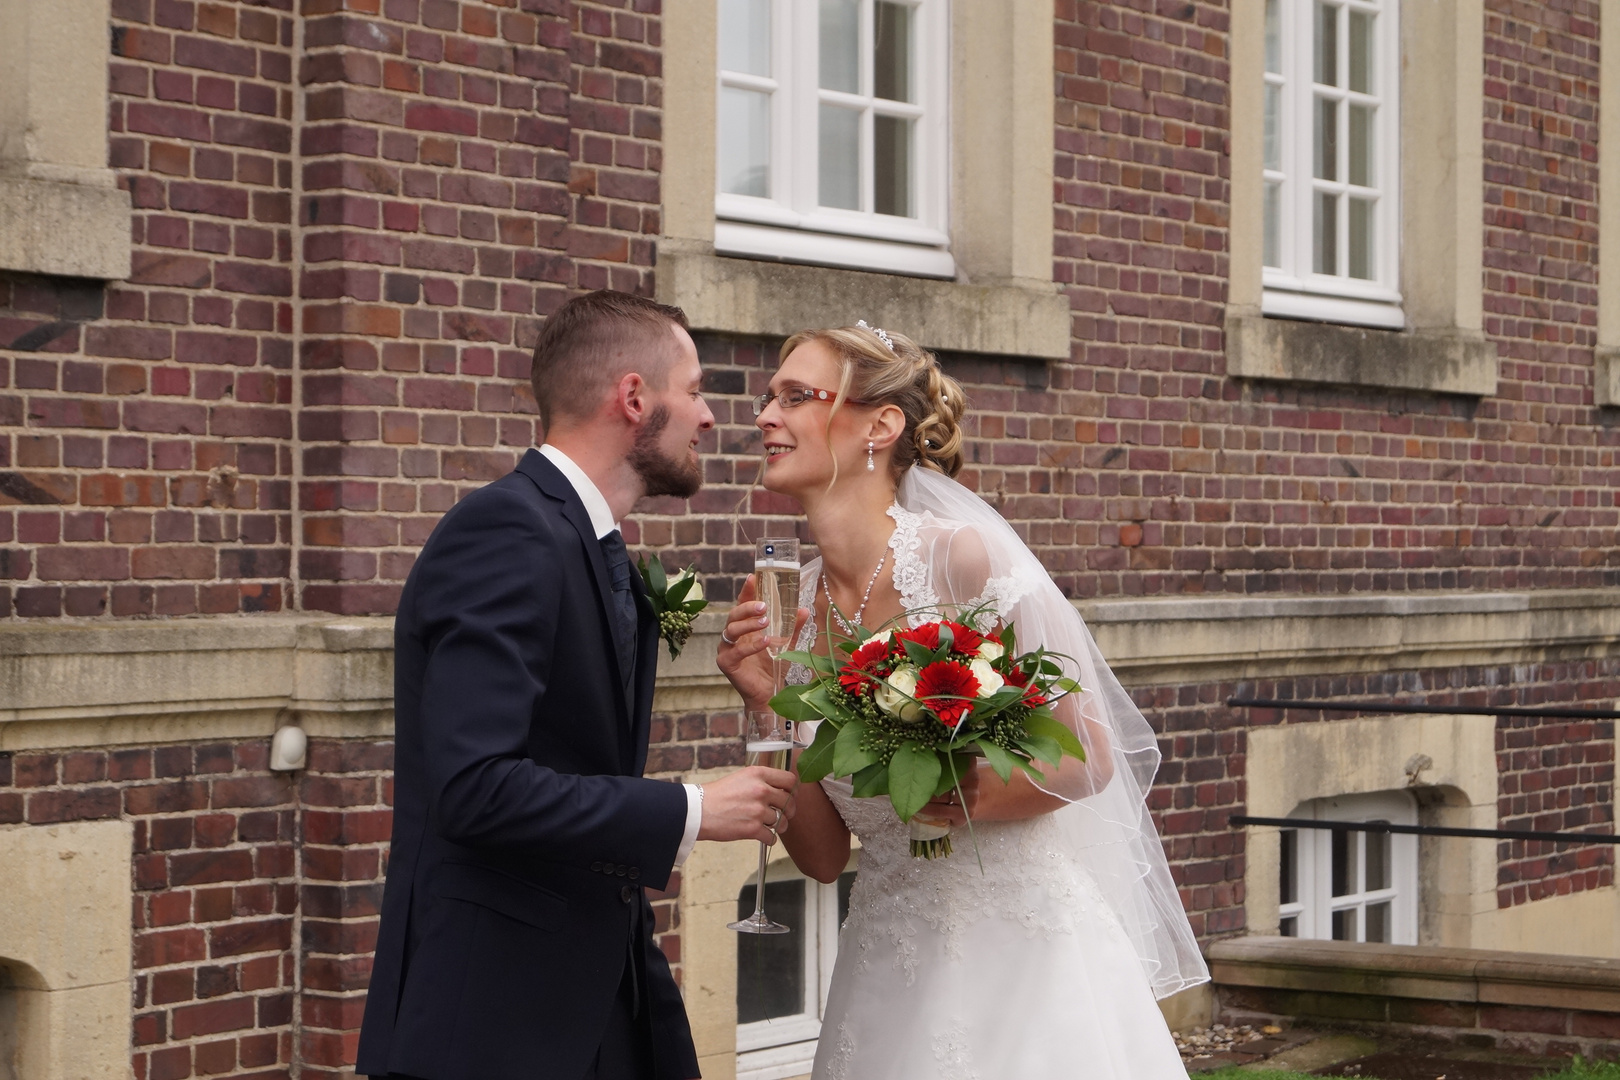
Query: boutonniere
[675, 600]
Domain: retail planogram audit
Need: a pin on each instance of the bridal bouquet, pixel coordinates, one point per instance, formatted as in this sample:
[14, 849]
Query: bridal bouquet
[676, 602]
[907, 710]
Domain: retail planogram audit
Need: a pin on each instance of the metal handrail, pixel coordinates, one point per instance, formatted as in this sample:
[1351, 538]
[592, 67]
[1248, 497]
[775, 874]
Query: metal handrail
[1443, 710]
[1427, 830]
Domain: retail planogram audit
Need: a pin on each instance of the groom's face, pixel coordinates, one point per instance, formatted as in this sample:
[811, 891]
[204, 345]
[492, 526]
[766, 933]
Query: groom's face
[665, 453]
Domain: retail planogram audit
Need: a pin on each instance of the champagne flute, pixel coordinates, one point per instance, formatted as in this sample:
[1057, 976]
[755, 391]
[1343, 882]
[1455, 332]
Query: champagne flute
[767, 742]
[776, 576]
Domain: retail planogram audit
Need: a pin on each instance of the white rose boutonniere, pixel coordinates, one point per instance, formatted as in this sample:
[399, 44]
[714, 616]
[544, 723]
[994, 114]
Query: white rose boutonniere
[676, 601]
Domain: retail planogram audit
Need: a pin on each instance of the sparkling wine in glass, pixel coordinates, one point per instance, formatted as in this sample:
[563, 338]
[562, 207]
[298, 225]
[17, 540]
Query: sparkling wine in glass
[776, 572]
[768, 743]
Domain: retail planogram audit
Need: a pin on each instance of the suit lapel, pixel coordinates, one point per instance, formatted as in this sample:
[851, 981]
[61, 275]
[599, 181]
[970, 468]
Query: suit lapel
[551, 481]
[646, 676]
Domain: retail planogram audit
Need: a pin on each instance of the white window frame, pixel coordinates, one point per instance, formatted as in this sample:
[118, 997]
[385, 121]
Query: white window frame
[1315, 903]
[785, 1046]
[1294, 289]
[789, 224]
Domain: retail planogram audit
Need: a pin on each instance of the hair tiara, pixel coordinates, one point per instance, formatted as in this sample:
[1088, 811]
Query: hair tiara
[882, 334]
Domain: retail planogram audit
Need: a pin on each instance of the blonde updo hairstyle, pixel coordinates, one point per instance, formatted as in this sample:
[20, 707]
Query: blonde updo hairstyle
[906, 376]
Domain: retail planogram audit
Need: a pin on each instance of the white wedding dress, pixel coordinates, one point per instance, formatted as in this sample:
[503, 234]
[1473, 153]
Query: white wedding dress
[1030, 969]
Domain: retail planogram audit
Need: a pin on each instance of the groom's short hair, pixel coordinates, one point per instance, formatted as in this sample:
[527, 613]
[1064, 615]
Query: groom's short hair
[591, 342]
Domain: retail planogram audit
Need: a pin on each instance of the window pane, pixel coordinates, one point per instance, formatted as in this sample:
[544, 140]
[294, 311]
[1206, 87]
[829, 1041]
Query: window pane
[771, 967]
[745, 142]
[1361, 145]
[1289, 927]
[891, 165]
[840, 45]
[1361, 52]
[1288, 886]
[846, 882]
[1345, 844]
[1377, 843]
[745, 36]
[1274, 36]
[1273, 126]
[1326, 42]
[840, 158]
[1326, 149]
[1378, 922]
[1272, 255]
[1325, 242]
[1344, 923]
[891, 51]
[1361, 266]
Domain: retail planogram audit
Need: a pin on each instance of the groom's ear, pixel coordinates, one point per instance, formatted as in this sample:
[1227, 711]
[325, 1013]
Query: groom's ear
[630, 398]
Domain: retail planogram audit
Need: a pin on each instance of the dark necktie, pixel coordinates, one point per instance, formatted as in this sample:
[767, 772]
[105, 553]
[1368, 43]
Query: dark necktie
[624, 604]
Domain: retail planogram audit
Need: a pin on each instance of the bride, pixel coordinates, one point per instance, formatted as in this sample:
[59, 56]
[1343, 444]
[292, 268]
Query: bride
[1046, 963]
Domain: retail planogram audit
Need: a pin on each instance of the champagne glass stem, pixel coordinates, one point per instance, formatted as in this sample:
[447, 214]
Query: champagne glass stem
[759, 887]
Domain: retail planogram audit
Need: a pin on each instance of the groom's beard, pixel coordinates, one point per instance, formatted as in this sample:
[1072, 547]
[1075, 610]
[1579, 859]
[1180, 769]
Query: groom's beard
[663, 475]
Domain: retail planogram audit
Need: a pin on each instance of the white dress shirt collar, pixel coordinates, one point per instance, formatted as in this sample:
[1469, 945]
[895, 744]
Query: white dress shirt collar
[589, 494]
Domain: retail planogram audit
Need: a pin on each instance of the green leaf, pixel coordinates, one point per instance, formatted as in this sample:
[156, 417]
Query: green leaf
[913, 772]
[1043, 724]
[1068, 686]
[916, 653]
[790, 705]
[871, 781]
[1035, 774]
[799, 656]
[999, 759]
[694, 607]
[820, 700]
[1009, 640]
[1043, 747]
[677, 592]
[848, 756]
[948, 779]
[656, 576]
[817, 760]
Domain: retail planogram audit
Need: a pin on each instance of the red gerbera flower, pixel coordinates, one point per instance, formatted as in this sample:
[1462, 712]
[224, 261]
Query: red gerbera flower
[1032, 695]
[926, 635]
[861, 670]
[947, 688]
[966, 639]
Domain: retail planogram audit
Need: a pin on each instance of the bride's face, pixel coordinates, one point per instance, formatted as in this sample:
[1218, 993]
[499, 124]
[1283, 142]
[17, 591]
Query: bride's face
[799, 448]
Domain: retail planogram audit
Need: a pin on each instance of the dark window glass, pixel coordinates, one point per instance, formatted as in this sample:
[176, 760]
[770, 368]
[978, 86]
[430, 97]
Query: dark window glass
[1344, 925]
[1378, 920]
[846, 882]
[1345, 844]
[1290, 926]
[770, 967]
[1288, 866]
[1377, 861]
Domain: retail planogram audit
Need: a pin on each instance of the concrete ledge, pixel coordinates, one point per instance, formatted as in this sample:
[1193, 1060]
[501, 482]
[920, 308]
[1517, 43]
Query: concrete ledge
[1606, 377]
[1531, 1000]
[767, 299]
[1441, 362]
[68, 230]
[1195, 640]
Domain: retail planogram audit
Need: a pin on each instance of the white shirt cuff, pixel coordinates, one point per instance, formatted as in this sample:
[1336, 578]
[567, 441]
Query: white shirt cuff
[694, 822]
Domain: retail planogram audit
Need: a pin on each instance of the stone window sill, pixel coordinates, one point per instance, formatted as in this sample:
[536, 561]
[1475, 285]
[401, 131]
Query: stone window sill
[1434, 361]
[66, 230]
[773, 299]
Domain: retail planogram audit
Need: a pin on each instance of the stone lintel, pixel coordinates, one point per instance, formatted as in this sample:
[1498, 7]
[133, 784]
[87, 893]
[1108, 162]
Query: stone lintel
[63, 229]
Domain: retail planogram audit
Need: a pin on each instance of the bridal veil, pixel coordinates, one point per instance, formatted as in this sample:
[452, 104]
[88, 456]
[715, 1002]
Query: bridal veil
[973, 558]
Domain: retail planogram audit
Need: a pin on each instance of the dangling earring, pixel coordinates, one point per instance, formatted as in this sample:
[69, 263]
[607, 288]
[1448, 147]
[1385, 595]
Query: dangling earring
[870, 466]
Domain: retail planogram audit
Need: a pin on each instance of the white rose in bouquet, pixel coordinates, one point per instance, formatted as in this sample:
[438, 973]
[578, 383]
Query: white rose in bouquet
[991, 650]
[989, 680]
[894, 694]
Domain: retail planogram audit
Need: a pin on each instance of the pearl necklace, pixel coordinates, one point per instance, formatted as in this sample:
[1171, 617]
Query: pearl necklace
[832, 608]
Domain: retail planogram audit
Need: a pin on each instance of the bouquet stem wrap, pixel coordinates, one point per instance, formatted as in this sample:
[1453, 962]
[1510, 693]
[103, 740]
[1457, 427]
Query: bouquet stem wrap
[929, 841]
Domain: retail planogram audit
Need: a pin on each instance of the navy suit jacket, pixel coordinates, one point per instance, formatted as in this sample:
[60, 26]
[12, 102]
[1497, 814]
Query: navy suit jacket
[523, 829]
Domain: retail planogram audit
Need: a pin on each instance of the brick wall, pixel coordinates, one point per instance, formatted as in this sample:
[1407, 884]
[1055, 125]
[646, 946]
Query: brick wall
[146, 425]
[467, 167]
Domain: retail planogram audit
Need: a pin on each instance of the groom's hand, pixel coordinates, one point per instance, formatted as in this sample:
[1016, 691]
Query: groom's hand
[745, 805]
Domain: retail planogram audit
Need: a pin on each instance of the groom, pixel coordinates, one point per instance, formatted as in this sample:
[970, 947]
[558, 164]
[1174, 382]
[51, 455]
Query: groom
[516, 940]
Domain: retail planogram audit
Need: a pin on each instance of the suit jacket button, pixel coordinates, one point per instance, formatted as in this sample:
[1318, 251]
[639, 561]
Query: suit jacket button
[634, 873]
[621, 870]
[626, 893]
[596, 868]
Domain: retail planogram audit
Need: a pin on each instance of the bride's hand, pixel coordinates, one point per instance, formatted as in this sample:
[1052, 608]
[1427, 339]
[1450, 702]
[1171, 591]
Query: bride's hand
[742, 648]
[948, 809]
